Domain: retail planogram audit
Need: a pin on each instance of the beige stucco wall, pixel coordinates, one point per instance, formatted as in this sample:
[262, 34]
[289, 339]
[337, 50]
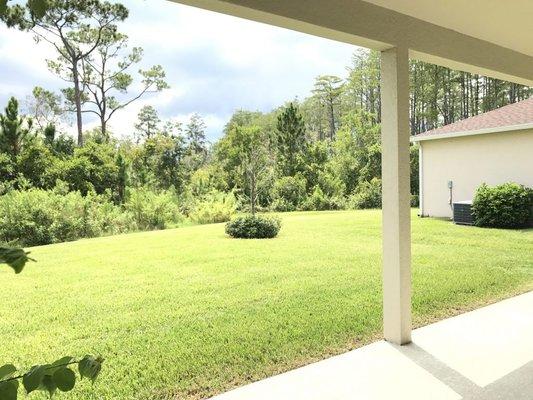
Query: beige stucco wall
[468, 161]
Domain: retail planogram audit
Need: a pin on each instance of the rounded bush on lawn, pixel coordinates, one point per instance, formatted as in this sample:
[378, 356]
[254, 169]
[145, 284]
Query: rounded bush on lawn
[504, 206]
[253, 227]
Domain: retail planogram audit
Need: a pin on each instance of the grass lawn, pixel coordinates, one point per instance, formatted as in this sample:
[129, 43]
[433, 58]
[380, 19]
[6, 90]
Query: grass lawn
[188, 312]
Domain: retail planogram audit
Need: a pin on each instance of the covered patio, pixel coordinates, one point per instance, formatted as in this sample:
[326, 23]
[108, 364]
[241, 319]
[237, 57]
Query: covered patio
[481, 354]
[484, 354]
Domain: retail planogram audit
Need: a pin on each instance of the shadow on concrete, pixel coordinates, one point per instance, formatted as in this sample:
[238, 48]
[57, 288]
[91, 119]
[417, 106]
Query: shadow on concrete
[517, 385]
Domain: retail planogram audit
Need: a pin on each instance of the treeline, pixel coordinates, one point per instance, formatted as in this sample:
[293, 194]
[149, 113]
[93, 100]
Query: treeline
[439, 95]
[320, 153]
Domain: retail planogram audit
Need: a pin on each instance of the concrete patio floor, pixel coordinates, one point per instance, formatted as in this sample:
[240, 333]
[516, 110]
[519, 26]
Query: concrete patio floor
[483, 354]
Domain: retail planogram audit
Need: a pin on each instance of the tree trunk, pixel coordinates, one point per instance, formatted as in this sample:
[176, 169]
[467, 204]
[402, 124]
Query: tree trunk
[103, 127]
[77, 102]
[331, 121]
[252, 193]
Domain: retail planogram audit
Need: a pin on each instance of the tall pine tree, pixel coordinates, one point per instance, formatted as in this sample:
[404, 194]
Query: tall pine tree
[15, 130]
[291, 141]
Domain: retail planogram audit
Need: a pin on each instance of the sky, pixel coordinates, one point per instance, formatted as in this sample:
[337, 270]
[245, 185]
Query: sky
[215, 64]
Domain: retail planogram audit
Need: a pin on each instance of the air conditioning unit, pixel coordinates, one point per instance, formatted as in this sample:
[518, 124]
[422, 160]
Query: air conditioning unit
[462, 213]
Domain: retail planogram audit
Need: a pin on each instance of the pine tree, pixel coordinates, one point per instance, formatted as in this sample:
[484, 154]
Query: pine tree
[329, 88]
[147, 123]
[195, 135]
[291, 141]
[14, 129]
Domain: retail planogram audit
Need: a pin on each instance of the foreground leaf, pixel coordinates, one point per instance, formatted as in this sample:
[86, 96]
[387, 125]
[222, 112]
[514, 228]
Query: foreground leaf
[62, 362]
[9, 390]
[90, 367]
[48, 385]
[7, 370]
[15, 257]
[34, 377]
[64, 379]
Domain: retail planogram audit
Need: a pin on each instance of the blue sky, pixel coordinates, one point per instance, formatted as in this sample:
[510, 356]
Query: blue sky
[215, 64]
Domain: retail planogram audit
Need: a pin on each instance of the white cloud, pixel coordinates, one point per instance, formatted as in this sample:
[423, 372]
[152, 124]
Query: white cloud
[215, 63]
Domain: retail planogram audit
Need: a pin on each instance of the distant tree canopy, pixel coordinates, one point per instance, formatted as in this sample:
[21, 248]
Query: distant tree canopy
[320, 152]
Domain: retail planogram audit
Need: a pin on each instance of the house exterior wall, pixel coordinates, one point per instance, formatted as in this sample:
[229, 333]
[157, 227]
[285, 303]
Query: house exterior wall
[469, 161]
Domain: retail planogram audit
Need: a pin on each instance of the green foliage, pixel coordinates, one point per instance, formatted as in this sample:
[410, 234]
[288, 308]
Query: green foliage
[46, 109]
[248, 151]
[230, 160]
[196, 137]
[328, 91]
[39, 166]
[15, 130]
[90, 367]
[291, 140]
[415, 178]
[62, 146]
[152, 210]
[16, 258]
[147, 124]
[314, 162]
[37, 217]
[48, 377]
[8, 171]
[368, 195]
[122, 177]
[505, 206]
[70, 26]
[160, 162]
[319, 201]
[215, 207]
[253, 227]
[331, 185]
[91, 168]
[207, 179]
[288, 193]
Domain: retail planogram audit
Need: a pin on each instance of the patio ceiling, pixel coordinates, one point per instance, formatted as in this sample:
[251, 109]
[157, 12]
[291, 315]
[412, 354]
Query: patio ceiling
[489, 37]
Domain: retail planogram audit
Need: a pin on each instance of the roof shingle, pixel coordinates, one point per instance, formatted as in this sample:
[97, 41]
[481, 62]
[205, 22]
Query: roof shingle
[510, 115]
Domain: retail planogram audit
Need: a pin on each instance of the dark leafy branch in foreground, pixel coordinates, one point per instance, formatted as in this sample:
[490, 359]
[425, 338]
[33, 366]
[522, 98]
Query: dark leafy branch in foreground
[58, 375]
[48, 377]
[15, 257]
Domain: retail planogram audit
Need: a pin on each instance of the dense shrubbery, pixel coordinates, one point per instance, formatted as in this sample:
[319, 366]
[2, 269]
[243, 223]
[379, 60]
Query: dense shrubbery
[253, 227]
[36, 217]
[368, 195]
[318, 201]
[288, 193]
[152, 210]
[505, 206]
[215, 207]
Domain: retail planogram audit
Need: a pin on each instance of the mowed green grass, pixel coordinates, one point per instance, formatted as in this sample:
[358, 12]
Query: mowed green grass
[189, 312]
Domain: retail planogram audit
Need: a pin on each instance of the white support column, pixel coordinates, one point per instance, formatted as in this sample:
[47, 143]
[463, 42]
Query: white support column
[396, 195]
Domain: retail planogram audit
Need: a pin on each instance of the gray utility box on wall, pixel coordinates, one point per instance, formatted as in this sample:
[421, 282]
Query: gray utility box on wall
[462, 213]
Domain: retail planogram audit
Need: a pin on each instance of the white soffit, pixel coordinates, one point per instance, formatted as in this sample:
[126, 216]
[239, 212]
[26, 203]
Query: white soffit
[467, 35]
[507, 23]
